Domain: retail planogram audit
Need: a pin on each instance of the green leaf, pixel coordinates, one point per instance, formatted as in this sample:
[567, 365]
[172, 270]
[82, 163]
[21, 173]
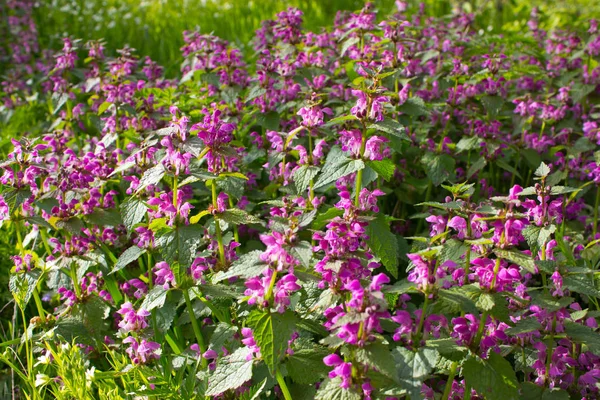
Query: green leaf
[330, 389]
[384, 168]
[303, 252]
[306, 365]
[133, 211]
[390, 127]
[22, 286]
[127, 257]
[542, 171]
[179, 244]
[414, 106]
[239, 217]
[439, 168]
[232, 185]
[494, 378]
[272, 333]
[102, 217]
[581, 284]
[582, 334]
[340, 120]
[255, 92]
[269, 120]
[347, 44]
[337, 165]
[15, 197]
[518, 258]
[58, 101]
[414, 367]
[196, 218]
[232, 371]
[155, 298]
[537, 236]
[103, 107]
[323, 219]
[222, 335]
[453, 300]
[524, 326]
[492, 104]
[378, 356]
[448, 348]
[302, 177]
[152, 176]
[247, 266]
[477, 166]
[383, 243]
[486, 302]
[531, 391]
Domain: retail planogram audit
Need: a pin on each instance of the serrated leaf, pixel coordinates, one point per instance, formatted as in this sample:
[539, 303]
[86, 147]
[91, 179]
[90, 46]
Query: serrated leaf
[272, 333]
[155, 298]
[232, 371]
[492, 104]
[330, 389]
[15, 197]
[581, 284]
[127, 257]
[347, 44]
[439, 168]
[324, 218]
[302, 177]
[152, 176]
[414, 367]
[448, 348]
[518, 258]
[384, 168]
[494, 379]
[179, 244]
[383, 243]
[378, 356]
[303, 252]
[542, 171]
[306, 365]
[537, 237]
[255, 92]
[391, 127]
[414, 106]
[239, 217]
[477, 166]
[337, 165]
[21, 286]
[133, 211]
[247, 266]
[525, 325]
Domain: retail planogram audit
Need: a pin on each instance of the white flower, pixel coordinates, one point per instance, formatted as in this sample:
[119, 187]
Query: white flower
[41, 380]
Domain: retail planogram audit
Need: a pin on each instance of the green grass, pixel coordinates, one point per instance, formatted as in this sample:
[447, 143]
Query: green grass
[154, 27]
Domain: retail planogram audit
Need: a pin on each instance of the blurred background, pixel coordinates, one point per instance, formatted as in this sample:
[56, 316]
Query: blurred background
[154, 27]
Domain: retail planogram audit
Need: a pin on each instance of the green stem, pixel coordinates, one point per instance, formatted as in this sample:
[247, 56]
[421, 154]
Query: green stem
[271, 286]
[596, 206]
[38, 304]
[448, 387]
[496, 269]
[195, 326]
[359, 174]
[175, 183]
[421, 321]
[550, 349]
[217, 226]
[282, 385]
[482, 321]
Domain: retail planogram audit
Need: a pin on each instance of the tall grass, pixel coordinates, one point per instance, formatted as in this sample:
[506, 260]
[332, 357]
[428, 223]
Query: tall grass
[154, 27]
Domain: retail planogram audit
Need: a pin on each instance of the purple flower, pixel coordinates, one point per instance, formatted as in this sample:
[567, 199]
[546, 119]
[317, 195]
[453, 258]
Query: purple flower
[142, 352]
[132, 321]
